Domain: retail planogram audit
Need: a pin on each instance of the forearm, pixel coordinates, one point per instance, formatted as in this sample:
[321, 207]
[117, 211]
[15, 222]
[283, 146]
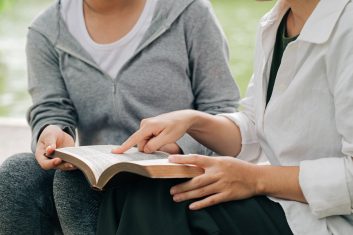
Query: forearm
[51, 101]
[216, 133]
[280, 182]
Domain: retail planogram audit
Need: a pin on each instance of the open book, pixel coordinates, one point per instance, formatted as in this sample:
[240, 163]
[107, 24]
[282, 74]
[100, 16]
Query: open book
[99, 165]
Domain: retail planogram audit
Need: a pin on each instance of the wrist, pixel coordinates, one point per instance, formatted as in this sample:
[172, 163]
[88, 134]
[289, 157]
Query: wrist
[197, 121]
[280, 182]
[260, 181]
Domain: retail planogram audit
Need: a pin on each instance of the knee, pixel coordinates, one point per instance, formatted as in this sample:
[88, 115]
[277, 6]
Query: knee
[71, 187]
[68, 179]
[14, 178]
[16, 165]
[21, 170]
[18, 158]
[68, 183]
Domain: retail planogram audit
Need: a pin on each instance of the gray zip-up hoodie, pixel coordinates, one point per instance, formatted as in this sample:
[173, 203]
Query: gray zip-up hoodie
[180, 64]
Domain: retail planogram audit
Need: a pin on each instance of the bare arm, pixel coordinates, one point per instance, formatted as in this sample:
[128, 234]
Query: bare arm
[217, 133]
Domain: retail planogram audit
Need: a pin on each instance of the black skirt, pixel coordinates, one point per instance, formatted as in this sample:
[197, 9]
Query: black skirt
[145, 207]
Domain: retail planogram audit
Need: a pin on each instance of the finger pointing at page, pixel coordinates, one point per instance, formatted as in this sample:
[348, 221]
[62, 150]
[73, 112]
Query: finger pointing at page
[129, 143]
[156, 132]
[148, 138]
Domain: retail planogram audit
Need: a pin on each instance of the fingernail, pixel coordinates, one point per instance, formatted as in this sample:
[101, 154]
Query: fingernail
[68, 165]
[171, 158]
[172, 191]
[176, 198]
[49, 148]
[116, 151]
[192, 207]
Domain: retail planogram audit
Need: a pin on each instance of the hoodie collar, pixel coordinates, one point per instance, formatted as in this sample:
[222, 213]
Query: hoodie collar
[167, 11]
[319, 25]
[52, 25]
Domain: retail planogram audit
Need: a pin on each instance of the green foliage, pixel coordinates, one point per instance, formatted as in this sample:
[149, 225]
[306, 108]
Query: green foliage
[239, 19]
[4, 4]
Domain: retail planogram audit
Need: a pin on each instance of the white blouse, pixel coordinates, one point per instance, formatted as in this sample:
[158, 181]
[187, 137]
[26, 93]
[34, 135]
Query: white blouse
[309, 119]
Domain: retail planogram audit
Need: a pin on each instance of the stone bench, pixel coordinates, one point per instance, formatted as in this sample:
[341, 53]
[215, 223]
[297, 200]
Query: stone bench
[15, 137]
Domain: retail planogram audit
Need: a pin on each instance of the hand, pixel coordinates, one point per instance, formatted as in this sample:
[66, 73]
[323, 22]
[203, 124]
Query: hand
[53, 137]
[158, 132]
[225, 179]
[171, 149]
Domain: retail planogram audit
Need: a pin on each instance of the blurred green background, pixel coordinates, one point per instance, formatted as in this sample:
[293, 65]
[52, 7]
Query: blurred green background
[3, 4]
[237, 17]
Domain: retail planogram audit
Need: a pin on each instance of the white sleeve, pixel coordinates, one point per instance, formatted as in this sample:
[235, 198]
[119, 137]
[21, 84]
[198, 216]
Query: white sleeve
[328, 183]
[250, 150]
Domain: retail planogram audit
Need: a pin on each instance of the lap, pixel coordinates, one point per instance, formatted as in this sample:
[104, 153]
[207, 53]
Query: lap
[28, 194]
[146, 207]
[22, 170]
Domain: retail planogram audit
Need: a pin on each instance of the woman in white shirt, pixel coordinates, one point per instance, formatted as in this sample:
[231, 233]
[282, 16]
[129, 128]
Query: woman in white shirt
[298, 113]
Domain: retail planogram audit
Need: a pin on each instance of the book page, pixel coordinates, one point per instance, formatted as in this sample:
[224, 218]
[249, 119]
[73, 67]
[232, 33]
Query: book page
[99, 157]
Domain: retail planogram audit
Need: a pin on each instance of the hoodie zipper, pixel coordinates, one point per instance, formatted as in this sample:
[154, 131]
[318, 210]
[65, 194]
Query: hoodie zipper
[140, 48]
[115, 80]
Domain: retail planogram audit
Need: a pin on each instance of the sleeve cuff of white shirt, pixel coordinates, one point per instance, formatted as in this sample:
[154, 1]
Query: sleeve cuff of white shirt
[250, 150]
[325, 188]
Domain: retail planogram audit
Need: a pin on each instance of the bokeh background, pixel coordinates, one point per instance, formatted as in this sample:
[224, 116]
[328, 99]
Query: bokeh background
[238, 18]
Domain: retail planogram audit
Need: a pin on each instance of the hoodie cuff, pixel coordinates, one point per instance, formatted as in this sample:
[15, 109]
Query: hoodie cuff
[250, 148]
[325, 186]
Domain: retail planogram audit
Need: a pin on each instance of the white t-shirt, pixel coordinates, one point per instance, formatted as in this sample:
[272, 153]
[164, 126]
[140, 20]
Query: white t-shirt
[110, 57]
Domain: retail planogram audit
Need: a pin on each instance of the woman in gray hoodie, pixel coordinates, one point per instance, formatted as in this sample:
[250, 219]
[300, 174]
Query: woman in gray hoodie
[99, 68]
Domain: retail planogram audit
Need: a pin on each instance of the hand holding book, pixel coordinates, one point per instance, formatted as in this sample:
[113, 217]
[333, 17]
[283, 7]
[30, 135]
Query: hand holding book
[53, 137]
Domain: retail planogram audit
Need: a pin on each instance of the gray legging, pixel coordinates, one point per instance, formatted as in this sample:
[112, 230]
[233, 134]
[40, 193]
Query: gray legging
[31, 197]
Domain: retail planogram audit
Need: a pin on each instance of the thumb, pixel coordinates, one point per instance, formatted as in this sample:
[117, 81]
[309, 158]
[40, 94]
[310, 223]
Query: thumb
[50, 144]
[50, 150]
[193, 159]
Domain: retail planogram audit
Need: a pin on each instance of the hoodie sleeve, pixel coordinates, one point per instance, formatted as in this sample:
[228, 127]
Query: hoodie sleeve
[51, 102]
[212, 83]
